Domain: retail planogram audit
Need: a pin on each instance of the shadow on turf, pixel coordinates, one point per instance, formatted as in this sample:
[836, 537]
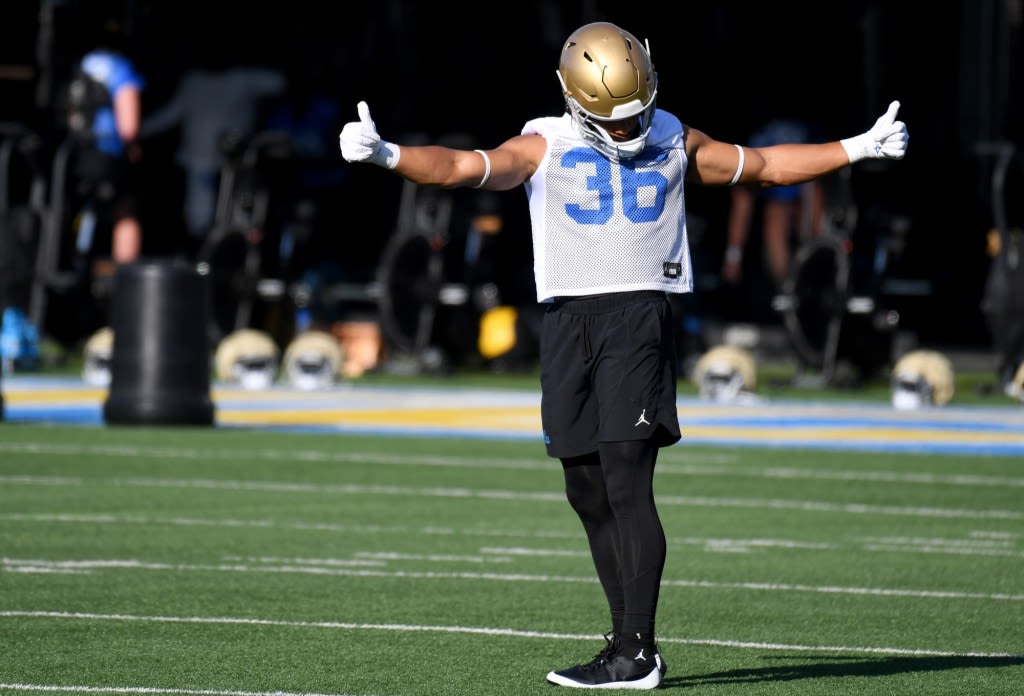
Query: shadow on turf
[836, 666]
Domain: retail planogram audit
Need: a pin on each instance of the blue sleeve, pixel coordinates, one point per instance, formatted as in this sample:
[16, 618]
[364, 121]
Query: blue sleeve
[112, 70]
[125, 75]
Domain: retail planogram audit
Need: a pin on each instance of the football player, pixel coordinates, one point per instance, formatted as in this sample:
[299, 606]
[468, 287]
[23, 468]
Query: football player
[605, 183]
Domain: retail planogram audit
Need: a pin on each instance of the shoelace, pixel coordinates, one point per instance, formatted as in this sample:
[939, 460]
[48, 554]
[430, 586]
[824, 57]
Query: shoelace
[610, 648]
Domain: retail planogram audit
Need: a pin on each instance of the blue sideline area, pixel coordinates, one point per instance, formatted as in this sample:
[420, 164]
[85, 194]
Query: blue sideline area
[498, 414]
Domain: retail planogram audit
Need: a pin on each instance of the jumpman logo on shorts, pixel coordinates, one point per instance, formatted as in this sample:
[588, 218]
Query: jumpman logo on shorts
[642, 419]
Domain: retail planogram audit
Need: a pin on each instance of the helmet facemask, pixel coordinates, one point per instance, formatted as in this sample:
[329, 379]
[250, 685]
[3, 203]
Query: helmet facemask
[607, 76]
[590, 128]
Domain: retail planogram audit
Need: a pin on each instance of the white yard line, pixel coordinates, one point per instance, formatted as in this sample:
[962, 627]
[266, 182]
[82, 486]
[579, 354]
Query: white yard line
[33, 565]
[92, 689]
[979, 542]
[492, 631]
[554, 496]
[671, 461]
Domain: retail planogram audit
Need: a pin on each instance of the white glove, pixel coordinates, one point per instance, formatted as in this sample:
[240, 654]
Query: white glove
[360, 142]
[887, 139]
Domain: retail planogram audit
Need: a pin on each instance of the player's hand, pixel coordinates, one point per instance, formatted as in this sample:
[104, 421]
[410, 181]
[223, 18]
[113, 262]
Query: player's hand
[887, 139]
[360, 142]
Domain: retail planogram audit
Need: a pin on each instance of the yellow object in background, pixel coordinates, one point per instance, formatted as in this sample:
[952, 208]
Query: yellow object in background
[497, 332]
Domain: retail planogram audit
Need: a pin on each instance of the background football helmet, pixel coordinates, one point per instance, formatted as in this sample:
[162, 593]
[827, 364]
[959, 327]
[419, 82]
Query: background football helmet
[97, 354]
[312, 360]
[1015, 389]
[922, 378]
[247, 357]
[725, 373]
[607, 75]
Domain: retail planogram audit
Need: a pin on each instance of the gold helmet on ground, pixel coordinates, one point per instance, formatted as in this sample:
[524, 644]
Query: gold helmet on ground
[247, 357]
[725, 373]
[607, 75]
[97, 356]
[313, 360]
[922, 378]
[1015, 389]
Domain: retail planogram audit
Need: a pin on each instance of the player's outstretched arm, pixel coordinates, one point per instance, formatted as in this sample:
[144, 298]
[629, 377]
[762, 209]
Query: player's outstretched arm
[434, 165]
[782, 165]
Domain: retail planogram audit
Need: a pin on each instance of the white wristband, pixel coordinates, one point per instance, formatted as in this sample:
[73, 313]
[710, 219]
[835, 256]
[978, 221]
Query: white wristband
[487, 168]
[739, 167]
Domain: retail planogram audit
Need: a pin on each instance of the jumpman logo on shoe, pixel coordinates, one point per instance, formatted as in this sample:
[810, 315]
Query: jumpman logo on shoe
[642, 419]
[640, 656]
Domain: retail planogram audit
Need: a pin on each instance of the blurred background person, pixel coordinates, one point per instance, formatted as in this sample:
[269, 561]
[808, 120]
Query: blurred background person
[95, 181]
[215, 103]
[788, 214]
[105, 111]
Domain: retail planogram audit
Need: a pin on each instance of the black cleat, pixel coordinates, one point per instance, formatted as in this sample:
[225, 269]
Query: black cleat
[613, 669]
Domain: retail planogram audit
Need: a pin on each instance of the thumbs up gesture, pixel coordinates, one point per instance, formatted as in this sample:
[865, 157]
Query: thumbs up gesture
[887, 139]
[360, 142]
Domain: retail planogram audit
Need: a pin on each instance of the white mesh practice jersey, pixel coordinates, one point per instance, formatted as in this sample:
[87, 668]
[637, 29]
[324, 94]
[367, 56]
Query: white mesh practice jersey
[601, 226]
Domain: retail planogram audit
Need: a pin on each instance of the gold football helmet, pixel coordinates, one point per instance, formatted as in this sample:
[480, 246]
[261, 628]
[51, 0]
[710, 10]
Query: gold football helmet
[606, 76]
[97, 354]
[725, 373]
[920, 379]
[1015, 389]
[247, 357]
[313, 360]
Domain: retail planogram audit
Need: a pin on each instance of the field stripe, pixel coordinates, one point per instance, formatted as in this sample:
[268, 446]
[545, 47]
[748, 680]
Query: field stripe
[981, 543]
[526, 496]
[674, 461]
[19, 565]
[490, 631]
[61, 688]
[270, 524]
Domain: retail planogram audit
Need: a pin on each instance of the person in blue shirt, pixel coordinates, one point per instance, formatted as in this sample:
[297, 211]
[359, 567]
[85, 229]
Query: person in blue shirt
[106, 112]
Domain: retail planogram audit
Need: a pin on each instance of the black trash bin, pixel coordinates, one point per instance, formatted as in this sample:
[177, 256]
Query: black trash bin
[160, 367]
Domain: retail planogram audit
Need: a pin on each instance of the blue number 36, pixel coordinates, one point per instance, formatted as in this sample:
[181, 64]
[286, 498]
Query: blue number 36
[600, 181]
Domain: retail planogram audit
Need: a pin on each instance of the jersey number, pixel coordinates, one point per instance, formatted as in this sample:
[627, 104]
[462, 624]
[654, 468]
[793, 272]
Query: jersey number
[601, 182]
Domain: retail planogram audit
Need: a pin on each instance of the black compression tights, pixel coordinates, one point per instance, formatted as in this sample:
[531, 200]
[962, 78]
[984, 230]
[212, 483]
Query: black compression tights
[611, 490]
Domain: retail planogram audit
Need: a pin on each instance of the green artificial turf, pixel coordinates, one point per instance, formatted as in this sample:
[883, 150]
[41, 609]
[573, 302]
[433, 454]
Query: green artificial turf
[220, 561]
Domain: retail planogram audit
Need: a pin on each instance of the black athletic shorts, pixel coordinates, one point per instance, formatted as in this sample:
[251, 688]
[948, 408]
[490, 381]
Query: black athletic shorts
[107, 181]
[608, 372]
